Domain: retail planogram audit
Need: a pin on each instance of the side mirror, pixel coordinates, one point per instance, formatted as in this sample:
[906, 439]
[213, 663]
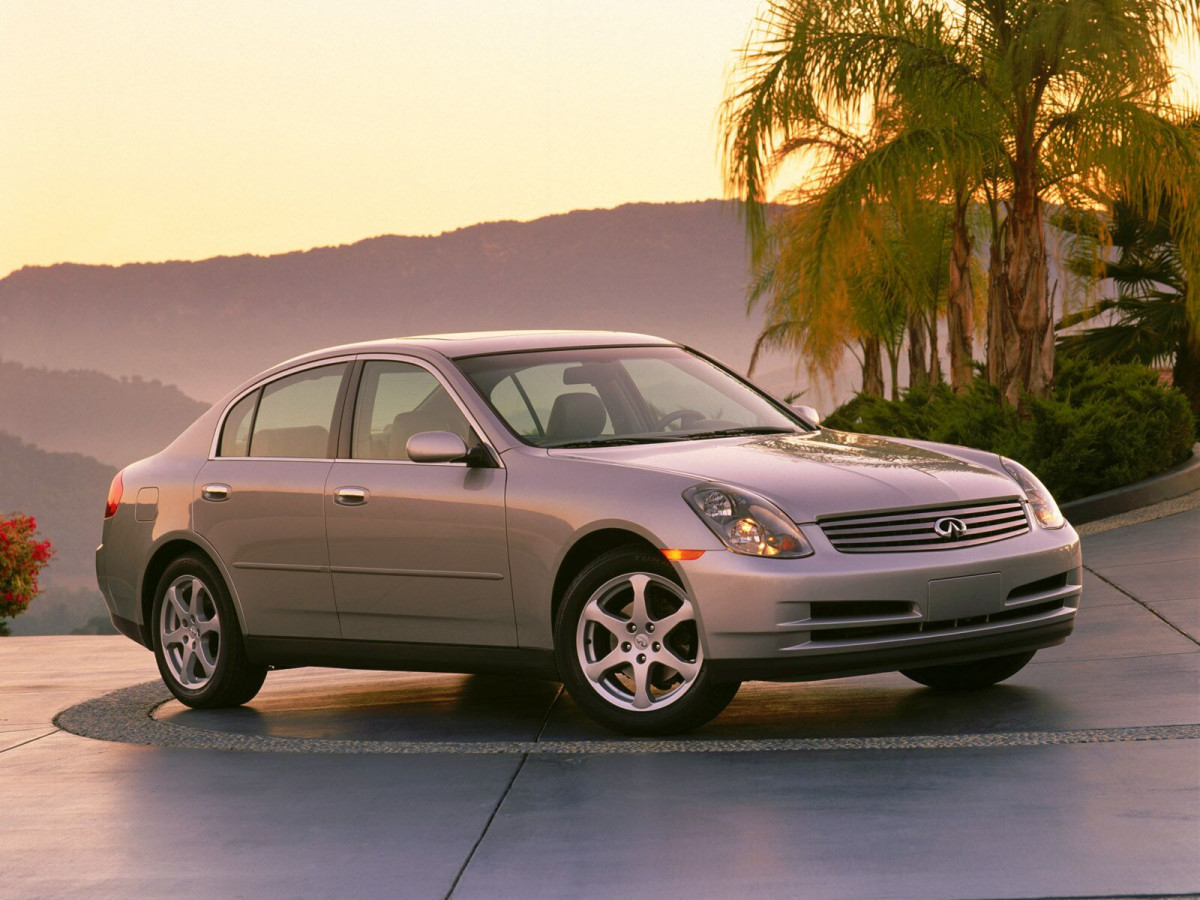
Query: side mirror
[435, 447]
[807, 413]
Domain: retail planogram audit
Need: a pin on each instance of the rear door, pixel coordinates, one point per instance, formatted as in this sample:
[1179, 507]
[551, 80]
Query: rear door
[260, 500]
[418, 551]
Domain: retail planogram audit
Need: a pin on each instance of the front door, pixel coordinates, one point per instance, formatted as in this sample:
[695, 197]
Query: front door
[418, 551]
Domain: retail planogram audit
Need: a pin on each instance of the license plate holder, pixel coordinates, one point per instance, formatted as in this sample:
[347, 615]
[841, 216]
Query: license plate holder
[964, 597]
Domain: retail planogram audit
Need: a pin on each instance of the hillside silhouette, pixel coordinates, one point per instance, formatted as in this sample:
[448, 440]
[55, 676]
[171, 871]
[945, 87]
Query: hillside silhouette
[113, 420]
[678, 270]
[65, 492]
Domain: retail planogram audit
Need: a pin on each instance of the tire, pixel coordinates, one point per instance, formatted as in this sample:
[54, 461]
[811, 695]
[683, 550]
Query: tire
[970, 676]
[631, 598]
[197, 641]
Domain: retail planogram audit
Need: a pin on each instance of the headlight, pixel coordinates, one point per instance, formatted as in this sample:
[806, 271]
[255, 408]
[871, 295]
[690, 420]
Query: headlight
[1045, 510]
[747, 523]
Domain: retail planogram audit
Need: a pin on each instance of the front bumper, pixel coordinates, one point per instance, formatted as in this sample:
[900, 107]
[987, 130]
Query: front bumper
[964, 648]
[835, 614]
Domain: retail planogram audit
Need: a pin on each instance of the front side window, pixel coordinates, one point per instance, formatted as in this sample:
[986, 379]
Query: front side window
[296, 414]
[397, 400]
[526, 399]
[620, 395]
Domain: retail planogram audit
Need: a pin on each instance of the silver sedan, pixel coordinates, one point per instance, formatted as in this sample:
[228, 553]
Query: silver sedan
[613, 510]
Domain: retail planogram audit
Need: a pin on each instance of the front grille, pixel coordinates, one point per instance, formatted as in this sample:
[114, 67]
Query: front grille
[905, 628]
[906, 530]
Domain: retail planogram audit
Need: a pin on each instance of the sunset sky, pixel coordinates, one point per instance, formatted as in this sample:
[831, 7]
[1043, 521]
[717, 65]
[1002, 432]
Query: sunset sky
[150, 129]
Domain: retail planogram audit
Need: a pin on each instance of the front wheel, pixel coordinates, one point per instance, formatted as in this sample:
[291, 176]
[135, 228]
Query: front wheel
[628, 646]
[970, 676]
[197, 642]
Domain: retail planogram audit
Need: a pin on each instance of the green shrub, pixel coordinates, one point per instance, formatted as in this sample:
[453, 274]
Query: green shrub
[1105, 426]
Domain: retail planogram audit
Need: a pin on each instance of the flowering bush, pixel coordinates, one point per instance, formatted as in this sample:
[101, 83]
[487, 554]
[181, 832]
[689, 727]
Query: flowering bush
[22, 559]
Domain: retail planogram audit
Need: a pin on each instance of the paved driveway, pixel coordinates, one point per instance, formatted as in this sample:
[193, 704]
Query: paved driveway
[1073, 779]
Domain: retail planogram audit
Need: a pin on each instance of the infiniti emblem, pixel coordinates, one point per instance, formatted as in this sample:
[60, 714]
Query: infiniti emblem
[950, 529]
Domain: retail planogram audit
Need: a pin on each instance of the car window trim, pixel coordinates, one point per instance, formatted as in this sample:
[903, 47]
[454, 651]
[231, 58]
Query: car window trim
[558, 347]
[351, 403]
[537, 422]
[214, 448]
[346, 419]
[784, 408]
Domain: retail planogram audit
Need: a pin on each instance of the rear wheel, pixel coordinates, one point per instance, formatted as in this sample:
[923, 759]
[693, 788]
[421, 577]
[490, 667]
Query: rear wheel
[197, 641]
[629, 651]
[970, 676]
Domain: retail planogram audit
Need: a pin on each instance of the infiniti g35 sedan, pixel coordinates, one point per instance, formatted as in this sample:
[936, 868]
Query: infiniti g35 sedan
[615, 511]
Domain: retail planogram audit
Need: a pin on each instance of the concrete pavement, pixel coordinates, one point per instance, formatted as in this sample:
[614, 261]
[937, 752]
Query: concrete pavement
[1099, 798]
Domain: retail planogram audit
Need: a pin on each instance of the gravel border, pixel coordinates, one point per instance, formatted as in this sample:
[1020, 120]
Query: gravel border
[1176, 482]
[126, 716]
[1145, 514]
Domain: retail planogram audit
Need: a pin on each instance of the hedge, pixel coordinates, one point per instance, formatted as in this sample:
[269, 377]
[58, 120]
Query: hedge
[1105, 425]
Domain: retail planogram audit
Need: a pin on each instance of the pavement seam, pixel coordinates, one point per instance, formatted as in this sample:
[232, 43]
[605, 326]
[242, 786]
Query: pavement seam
[1143, 605]
[31, 740]
[504, 796]
[486, 826]
[125, 716]
[1079, 659]
[546, 718]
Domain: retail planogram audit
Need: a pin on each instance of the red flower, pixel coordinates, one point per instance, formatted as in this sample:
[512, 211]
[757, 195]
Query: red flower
[22, 558]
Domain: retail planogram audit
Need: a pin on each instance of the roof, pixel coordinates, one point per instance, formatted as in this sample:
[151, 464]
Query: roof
[479, 343]
[474, 343]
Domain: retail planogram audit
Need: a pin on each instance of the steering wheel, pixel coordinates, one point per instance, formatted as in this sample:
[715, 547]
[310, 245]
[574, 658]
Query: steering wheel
[681, 414]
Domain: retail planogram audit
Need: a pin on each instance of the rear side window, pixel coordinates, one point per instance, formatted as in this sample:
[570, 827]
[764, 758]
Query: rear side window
[296, 414]
[235, 437]
[397, 400]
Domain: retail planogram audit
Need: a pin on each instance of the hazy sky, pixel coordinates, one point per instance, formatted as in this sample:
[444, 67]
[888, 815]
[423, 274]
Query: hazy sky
[155, 129]
[149, 130]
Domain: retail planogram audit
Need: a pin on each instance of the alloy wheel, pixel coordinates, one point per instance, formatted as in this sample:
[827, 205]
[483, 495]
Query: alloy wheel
[637, 642]
[190, 631]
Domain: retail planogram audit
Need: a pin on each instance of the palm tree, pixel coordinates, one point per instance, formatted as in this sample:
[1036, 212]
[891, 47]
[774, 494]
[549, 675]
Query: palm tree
[886, 277]
[822, 328]
[1015, 100]
[1149, 320]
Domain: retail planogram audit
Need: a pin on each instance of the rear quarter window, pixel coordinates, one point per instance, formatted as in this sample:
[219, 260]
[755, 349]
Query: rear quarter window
[235, 436]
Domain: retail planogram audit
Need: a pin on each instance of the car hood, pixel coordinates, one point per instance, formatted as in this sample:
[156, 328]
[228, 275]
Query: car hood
[822, 473]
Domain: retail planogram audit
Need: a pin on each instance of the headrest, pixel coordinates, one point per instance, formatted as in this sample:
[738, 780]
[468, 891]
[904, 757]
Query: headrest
[576, 416]
[301, 442]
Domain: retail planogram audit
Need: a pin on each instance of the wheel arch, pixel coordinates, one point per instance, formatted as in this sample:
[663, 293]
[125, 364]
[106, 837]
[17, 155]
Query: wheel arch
[167, 550]
[586, 548]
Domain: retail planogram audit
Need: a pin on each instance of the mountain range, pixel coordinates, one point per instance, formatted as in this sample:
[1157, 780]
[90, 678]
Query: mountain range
[678, 270]
[114, 420]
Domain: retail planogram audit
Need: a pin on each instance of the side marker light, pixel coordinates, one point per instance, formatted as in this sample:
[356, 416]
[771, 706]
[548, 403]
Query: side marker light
[678, 555]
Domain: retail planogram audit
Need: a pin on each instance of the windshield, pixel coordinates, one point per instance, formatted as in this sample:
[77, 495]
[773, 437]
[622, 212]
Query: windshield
[599, 396]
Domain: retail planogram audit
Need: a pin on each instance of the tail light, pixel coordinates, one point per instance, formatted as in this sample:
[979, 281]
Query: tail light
[115, 490]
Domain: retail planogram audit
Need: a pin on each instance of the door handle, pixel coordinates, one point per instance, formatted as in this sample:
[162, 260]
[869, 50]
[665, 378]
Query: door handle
[351, 496]
[215, 492]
